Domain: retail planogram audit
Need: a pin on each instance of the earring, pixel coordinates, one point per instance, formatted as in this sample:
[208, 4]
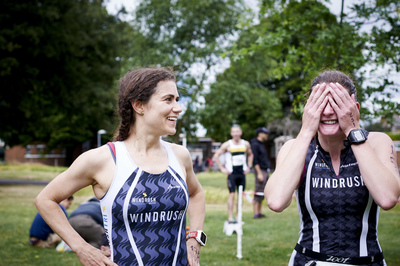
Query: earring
[141, 113]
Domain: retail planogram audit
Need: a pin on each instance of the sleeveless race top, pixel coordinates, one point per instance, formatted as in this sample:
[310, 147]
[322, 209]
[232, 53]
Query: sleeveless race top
[236, 157]
[144, 214]
[338, 215]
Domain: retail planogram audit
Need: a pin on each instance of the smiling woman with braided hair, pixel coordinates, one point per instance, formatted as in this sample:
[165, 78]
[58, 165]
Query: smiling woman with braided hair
[144, 184]
[341, 175]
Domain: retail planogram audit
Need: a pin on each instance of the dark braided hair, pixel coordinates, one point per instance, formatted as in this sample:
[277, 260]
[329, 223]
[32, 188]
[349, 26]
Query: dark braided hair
[335, 76]
[138, 85]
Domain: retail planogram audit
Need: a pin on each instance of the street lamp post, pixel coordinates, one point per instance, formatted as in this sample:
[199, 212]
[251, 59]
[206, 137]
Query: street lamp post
[99, 133]
[184, 140]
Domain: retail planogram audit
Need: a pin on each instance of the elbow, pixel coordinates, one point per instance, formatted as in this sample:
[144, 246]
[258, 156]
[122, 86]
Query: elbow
[388, 203]
[276, 201]
[388, 200]
[276, 205]
[38, 201]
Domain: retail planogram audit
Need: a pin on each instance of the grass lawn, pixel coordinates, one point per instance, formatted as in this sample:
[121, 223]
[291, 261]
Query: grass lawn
[268, 241]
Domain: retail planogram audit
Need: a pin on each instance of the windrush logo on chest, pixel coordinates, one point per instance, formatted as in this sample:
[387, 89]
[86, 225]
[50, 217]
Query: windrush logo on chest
[162, 216]
[342, 182]
[143, 200]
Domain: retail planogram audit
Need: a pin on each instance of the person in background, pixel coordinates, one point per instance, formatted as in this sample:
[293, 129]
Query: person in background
[41, 234]
[87, 220]
[237, 151]
[342, 175]
[261, 165]
[146, 185]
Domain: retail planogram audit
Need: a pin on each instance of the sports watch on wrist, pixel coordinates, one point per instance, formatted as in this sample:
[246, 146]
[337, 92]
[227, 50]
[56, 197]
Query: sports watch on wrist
[356, 136]
[199, 235]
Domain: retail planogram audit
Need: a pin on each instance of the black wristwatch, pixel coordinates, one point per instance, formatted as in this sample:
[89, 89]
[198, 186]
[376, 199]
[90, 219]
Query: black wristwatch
[356, 136]
[199, 235]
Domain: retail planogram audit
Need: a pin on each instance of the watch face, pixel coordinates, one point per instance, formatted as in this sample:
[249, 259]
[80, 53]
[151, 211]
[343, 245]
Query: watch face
[358, 135]
[203, 238]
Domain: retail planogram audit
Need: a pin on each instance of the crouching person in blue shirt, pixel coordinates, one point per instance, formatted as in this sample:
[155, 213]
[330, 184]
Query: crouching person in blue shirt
[40, 233]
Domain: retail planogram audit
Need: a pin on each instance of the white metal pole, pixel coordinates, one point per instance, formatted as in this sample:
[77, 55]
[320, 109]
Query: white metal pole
[239, 224]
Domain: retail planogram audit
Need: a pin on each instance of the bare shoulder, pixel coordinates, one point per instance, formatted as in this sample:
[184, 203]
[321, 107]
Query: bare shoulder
[224, 147]
[177, 147]
[382, 145]
[92, 162]
[183, 156]
[378, 139]
[90, 168]
[180, 151]
[95, 157]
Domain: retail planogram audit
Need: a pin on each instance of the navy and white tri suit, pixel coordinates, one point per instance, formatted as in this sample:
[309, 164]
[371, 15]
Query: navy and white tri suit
[338, 215]
[144, 214]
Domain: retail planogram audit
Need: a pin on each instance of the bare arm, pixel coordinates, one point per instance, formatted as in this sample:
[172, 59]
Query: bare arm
[79, 175]
[286, 177]
[250, 156]
[375, 157]
[290, 162]
[218, 153]
[378, 166]
[259, 173]
[196, 209]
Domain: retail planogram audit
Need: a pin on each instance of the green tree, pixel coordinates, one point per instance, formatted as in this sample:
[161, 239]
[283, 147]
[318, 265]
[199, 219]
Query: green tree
[190, 36]
[300, 39]
[231, 101]
[382, 17]
[303, 38]
[58, 65]
[274, 62]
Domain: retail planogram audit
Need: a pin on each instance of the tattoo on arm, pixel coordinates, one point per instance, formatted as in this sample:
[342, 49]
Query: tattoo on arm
[352, 119]
[196, 251]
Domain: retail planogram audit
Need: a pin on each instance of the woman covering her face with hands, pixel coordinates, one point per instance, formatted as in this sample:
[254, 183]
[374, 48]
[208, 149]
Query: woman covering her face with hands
[144, 184]
[341, 175]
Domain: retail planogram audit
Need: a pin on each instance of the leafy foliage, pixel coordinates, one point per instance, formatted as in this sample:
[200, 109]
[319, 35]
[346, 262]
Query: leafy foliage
[237, 98]
[383, 54]
[189, 35]
[295, 40]
[60, 62]
[275, 60]
[300, 39]
[57, 68]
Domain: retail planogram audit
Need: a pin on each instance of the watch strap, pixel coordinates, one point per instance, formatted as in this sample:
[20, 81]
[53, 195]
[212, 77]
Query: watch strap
[346, 143]
[191, 234]
[198, 235]
[351, 139]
